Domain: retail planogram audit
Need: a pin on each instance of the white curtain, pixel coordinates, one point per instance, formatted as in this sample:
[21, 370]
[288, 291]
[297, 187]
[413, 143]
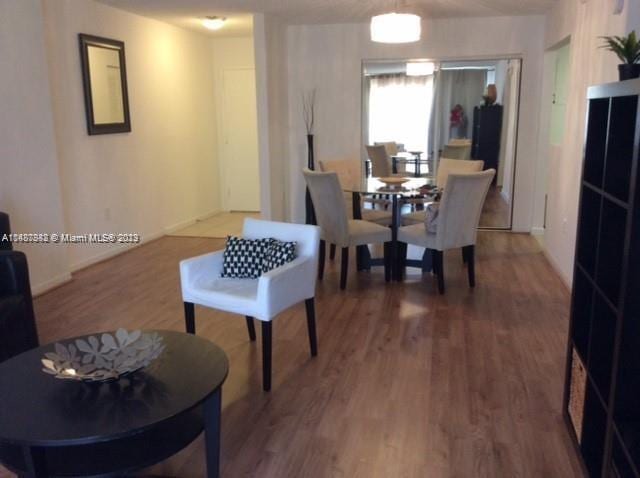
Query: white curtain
[400, 109]
[455, 87]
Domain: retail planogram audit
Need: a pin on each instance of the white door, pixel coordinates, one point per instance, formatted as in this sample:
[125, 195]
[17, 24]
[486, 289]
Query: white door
[240, 167]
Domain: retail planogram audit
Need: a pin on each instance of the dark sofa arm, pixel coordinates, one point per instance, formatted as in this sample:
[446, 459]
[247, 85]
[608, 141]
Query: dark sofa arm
[14, 281]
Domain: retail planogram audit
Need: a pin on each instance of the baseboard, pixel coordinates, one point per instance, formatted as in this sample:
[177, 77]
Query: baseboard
[506, 197]
[556, 267]
[183, 224]
[122, 248]
[537, 231]
[46, 286]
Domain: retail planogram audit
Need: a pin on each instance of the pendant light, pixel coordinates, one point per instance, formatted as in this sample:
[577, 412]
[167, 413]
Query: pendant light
[395, 28]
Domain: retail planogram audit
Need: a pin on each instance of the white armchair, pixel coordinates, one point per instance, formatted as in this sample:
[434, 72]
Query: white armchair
[263, 298]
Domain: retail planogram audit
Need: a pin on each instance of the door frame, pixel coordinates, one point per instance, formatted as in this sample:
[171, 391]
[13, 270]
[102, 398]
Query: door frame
[223, 147]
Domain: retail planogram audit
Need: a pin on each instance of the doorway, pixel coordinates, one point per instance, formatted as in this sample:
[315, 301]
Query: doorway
[553, 124]
[240, 167]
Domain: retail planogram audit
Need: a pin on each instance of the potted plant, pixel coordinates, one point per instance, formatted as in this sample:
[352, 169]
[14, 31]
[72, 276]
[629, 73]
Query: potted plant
[628, 50]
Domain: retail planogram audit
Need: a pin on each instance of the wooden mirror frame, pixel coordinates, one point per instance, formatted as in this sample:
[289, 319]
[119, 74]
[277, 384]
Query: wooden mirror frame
[107, 128]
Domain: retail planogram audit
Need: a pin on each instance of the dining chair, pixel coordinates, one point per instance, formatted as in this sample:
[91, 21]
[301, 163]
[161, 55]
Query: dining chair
[457, 151]
[380, 161]
[457, 224]
[460, 141]
[337, 228]
[391, 147]
[446, 166]
[263, 298]
[350, 177]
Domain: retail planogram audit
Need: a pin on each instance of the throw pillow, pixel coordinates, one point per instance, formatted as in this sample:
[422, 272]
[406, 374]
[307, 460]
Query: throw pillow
[278, 254]
[243, 257]
[431, 218]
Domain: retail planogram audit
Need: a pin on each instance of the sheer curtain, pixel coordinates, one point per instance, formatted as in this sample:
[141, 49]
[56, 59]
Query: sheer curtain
[400, 110]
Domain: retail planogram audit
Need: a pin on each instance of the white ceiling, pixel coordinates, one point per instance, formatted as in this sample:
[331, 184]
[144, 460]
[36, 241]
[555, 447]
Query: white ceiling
[185, 13]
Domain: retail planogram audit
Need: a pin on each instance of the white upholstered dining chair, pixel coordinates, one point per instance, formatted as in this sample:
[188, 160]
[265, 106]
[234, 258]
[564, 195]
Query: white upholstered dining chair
[457, 151]
[263, 298]
[457, 224]
[380, 161]
[350, 176]
[446, 166]
[337, 228]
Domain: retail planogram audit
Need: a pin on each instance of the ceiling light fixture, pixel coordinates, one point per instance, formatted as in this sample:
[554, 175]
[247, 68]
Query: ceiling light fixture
[395, 28]
[213, 23]
[420, 68]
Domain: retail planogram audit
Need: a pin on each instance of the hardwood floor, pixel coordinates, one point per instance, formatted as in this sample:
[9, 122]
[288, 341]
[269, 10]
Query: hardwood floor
[407, 383]
[496, 212]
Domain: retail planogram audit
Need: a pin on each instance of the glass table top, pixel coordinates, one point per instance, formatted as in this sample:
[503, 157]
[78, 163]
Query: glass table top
[411, 188]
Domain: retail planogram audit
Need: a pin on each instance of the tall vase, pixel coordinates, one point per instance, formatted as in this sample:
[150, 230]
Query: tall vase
[310, 214]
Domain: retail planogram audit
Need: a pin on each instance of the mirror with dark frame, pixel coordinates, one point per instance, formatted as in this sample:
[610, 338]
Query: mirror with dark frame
[456, 110]
[104, 78]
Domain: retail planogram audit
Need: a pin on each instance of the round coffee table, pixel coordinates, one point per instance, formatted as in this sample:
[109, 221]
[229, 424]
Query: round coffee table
[52, 427]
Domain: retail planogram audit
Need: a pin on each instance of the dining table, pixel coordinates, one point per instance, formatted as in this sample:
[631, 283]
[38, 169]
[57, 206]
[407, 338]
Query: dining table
[410, 157]
[412, 189]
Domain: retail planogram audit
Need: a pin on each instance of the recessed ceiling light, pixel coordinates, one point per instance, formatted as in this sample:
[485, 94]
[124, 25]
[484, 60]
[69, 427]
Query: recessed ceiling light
[213, 23]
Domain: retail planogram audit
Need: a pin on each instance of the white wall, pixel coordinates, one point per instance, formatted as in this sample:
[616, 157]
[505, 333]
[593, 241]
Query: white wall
[272, 87]
[29, 178]
[233, 53]
[328, 58]
[164, 173]
[584, 23]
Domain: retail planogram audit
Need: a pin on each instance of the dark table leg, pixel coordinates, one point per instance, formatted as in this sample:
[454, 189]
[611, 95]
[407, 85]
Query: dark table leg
[395, 223]
[363, 257]
[35, 460]
[212, 411]
[417, 170]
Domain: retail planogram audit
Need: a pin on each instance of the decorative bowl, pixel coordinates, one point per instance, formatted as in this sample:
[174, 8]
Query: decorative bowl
[110, 357]
[394, 181]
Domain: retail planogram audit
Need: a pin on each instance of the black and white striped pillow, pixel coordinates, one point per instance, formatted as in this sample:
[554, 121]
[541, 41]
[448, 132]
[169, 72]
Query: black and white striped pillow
[243, 258]
[278, 254]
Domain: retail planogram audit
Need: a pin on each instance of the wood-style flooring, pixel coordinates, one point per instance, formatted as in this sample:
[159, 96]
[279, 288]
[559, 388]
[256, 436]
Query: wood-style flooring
[496, 212]
[407, 383]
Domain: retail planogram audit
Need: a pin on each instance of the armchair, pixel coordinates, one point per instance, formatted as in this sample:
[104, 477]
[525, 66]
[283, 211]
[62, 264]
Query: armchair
[264, 298]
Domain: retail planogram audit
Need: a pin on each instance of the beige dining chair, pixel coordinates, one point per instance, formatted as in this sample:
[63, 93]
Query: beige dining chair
[349, 175]
[337, 228]
[460, 141]
[391, 147]
[380, 161]
[446, 167]
[457, 151]
[457, 224]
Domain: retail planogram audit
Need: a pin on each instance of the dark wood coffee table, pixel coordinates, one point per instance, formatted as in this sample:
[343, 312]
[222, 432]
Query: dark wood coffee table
[51, 427]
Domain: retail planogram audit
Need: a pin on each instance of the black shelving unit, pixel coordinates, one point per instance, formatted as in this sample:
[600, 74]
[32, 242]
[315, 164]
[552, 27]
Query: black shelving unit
[602, 388]
[487, 131]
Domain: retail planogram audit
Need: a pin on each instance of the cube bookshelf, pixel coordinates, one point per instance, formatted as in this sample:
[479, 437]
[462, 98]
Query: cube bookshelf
[602, 387]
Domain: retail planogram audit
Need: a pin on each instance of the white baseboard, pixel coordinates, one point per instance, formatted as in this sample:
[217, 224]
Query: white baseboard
[121, 248]
[537, 231]
[46, 286]
[556, 267]
[183, 224]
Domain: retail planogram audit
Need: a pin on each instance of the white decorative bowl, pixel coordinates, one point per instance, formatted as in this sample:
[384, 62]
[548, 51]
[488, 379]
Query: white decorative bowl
[91, 360]
[394, 182]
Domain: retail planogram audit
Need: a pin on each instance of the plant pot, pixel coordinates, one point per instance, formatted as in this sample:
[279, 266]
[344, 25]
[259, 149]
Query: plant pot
[629, 72]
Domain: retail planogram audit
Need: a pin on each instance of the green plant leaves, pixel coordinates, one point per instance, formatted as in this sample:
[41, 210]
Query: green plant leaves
[626, 48]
